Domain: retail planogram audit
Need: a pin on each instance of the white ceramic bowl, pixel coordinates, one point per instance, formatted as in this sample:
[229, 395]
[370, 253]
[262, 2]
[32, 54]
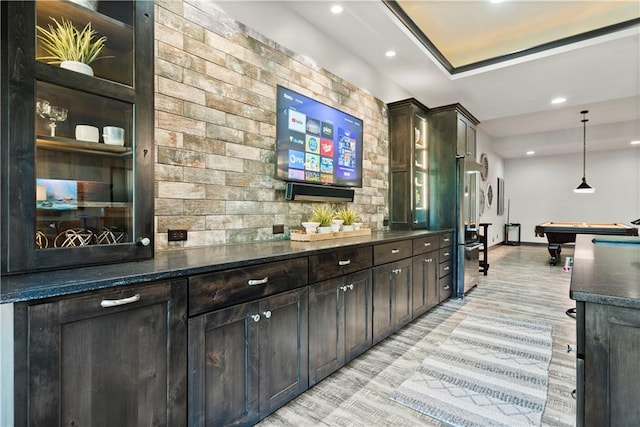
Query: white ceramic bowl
[310, 227]
[87, 133]
[113, 135]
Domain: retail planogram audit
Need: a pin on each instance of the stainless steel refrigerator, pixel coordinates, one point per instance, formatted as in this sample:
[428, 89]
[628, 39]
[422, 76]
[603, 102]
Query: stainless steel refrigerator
[466, 233]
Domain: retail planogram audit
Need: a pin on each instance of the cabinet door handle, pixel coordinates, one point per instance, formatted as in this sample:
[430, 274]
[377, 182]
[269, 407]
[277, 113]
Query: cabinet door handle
[267, 314]
[350, 286]
[445, 239]
[255, 317]
[446, 268]
[345, 262]
[396, 271]
[343, 288]
[428, 260]
[395, 251]
[258, 281]
[116, 302]
[446, 254]
[427, 244]
[446, 288]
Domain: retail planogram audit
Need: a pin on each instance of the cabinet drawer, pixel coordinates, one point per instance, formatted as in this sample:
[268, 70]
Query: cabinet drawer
[445, 268]
[446, 239]
[446, 287]
[222, 289]
[389, 252]
[445, 254]
[339, 263]
[425, 244]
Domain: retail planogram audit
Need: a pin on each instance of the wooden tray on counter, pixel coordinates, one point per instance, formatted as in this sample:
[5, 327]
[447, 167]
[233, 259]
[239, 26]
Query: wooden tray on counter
[301, 236]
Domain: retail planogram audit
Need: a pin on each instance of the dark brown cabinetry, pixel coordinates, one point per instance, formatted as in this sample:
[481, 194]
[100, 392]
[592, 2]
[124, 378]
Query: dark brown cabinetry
[452, 134]
[391, 298]
[116, 357]
[247, 360]
[69, 198]
[445, 267]
[339, 322]
[408, 165]
[608, 352]
[425, 274]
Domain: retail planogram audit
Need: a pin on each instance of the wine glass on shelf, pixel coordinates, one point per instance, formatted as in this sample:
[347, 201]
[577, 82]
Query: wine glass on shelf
[52, 113]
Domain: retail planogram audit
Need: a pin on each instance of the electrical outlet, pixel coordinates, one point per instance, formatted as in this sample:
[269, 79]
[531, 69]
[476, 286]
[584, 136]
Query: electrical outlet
[177, 235]
[278, 229]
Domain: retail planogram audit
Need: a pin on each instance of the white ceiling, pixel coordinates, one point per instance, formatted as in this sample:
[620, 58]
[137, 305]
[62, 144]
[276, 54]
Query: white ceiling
[511, 99]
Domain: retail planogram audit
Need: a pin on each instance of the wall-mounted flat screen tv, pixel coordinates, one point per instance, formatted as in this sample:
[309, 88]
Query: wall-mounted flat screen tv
[316, 143]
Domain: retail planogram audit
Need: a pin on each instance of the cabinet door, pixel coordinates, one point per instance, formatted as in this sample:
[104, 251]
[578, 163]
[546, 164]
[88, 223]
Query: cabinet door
[391, 298]
[75, 200]
[326, 328]
[424, 283]
[115, 358]
[284, 352]
[402, 301]
[223, 367]
[383, 291]
[357, 314]
[611, 375]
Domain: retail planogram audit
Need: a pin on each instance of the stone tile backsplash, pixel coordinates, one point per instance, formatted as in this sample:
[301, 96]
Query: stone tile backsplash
[215, 83]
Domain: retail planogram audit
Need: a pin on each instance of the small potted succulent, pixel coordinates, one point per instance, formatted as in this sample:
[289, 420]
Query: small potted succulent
[349, 217]
[73, 49]
[323, 215]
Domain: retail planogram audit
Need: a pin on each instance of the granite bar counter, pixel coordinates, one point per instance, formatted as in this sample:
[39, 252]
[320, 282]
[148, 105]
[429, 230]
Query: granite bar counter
[605, 282]
[606, 270]
[175, 264]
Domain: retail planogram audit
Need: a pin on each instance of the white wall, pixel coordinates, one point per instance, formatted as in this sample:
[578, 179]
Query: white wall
[541, 189]
[496, 170]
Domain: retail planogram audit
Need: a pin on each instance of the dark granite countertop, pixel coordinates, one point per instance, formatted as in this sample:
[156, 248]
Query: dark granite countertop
[176, 264]
[607, 271]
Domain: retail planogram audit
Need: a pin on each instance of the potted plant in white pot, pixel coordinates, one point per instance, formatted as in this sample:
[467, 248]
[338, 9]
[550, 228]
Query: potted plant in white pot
[349, 216]
[323, 215]
[73, 49]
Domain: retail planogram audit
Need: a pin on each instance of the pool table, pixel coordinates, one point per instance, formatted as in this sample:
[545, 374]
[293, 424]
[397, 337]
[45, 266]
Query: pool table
[565, 232]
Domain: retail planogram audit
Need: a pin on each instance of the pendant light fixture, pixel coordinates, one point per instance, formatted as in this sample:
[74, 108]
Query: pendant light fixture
[584, 188]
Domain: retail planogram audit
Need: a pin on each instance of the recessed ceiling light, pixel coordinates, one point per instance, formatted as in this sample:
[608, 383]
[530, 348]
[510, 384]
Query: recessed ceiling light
[530, 153]
[635, 142]
[336, 9]
[558, 100]
[390, 53]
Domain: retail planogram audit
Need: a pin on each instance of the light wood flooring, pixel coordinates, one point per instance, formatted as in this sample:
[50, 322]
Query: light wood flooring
[520, 282]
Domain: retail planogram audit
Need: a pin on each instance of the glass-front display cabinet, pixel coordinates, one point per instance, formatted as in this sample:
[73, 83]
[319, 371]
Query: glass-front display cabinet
[77, 135]
[408, 165]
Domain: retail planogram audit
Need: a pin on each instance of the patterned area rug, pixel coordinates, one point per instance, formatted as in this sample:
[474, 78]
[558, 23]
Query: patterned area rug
[491, 371]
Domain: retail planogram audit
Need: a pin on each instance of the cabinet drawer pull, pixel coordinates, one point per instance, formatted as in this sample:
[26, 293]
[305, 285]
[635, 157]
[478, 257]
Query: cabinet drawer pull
[428, 260]
[267, 314]
[446, 239]
[255, 317]
[446, 268]
[427, 244]
[350, 286]
[258, 282]
[116, 302]
[345, 262]
[343, 288]
[446, 254]
[396, 271]
[395, 251]
[446, 288]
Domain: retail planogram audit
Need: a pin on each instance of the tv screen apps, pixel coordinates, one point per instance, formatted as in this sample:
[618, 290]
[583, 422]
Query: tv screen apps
[316, 143]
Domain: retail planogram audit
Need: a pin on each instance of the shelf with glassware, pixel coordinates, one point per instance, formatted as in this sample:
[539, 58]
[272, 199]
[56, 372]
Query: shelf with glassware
[86, 138]
[409, 165]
